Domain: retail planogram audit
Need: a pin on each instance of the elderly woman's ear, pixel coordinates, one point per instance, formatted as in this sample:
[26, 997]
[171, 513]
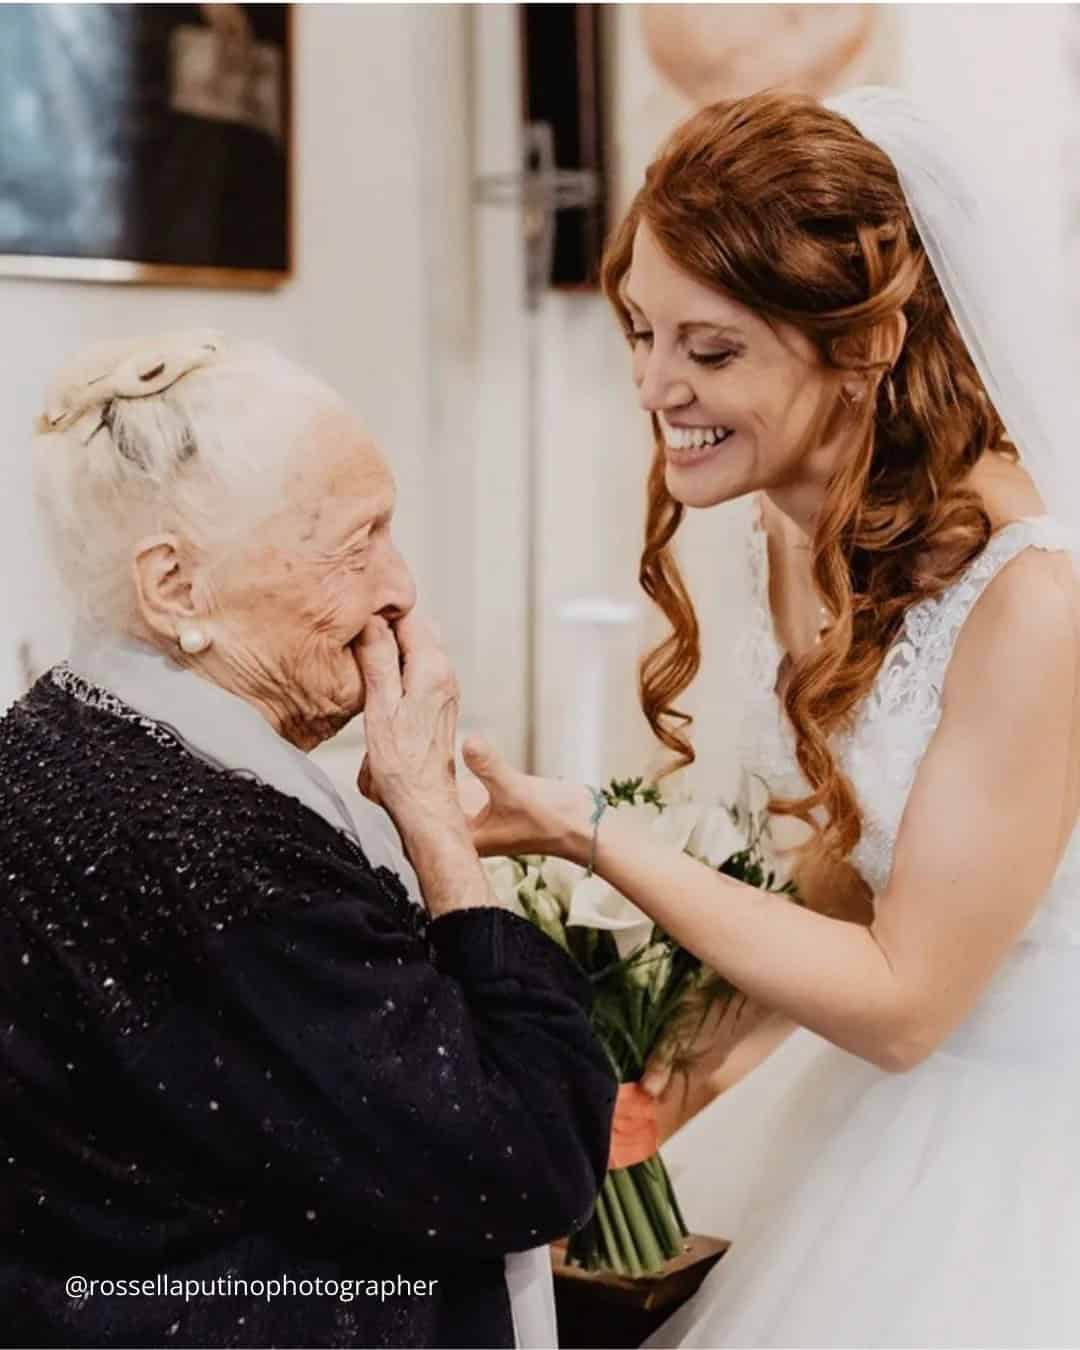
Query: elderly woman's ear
[167, 595]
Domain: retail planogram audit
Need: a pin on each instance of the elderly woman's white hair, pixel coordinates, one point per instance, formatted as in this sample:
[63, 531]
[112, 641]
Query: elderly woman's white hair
[184, 432]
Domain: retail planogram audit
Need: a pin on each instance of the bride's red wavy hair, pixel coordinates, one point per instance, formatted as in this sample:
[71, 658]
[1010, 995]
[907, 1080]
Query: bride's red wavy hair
[782, 205]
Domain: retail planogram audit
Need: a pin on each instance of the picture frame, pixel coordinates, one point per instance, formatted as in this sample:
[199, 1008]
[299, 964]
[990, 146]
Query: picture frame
[147, 144]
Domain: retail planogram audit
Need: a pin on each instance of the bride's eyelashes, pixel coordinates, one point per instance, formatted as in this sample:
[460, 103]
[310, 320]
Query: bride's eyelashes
[711, 360]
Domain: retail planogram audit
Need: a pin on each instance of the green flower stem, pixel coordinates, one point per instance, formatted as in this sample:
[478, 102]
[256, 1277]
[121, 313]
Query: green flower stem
[668, 1231]
[621, 1227]
[671, 1196]
[636, 1225]
[654, 1195]
[647, 1199]
[609, 1250]
[637, 1013]
[637, 1219]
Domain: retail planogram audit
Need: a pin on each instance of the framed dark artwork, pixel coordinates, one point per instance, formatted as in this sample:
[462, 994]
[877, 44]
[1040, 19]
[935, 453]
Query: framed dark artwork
[146, 143]
[562, 74]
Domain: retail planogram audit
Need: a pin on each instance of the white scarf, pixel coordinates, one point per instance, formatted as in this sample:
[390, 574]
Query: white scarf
[230, 734]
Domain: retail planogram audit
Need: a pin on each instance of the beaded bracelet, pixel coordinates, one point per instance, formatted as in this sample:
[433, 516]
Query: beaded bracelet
[600, 805]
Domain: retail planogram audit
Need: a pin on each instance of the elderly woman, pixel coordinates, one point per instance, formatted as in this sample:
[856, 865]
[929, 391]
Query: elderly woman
[252, 1057]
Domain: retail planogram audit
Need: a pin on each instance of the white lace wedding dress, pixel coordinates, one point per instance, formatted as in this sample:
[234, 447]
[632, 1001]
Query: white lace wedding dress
[934, 1208]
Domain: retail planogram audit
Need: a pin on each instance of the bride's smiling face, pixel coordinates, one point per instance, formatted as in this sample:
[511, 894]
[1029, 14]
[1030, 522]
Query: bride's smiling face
[735, 396]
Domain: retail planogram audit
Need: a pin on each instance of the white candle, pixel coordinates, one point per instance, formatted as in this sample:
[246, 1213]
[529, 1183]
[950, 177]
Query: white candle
[598, 623]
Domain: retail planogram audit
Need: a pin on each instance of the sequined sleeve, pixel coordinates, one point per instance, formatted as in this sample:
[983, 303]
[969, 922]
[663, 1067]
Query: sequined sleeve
[446, 1091]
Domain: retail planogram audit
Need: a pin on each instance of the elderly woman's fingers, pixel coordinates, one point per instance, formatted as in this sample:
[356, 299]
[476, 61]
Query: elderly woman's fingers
[380, 664]
[412, 700]
[365, 782]
[417, 632]
[424, 660]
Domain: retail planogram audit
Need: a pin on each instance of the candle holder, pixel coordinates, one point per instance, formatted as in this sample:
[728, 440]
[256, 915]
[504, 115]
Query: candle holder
[599, 1310]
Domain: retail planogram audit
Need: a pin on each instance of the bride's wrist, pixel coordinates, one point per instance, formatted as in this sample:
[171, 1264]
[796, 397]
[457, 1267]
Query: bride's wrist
[577, 826]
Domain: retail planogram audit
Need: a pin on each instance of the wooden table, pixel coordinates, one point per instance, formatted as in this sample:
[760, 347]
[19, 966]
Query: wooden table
[598, 1310]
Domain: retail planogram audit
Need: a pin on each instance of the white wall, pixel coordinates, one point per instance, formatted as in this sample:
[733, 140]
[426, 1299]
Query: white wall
[358, 310]
[1000, 74]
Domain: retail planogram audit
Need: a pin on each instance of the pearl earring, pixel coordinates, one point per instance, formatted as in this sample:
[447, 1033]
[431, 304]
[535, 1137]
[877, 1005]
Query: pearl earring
[193, 640]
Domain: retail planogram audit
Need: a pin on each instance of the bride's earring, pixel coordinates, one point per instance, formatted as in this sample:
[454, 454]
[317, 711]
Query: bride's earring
[193, 640]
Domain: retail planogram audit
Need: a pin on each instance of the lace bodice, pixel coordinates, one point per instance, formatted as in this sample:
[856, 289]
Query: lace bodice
[893, 726]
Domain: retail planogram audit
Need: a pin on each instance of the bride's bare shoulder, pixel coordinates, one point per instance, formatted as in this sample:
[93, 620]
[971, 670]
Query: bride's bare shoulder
[1007, 490]
[1040, 585]
[1023, 625]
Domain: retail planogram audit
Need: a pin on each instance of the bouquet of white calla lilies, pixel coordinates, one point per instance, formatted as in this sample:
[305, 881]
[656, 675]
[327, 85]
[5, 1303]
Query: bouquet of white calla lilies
[647, 990]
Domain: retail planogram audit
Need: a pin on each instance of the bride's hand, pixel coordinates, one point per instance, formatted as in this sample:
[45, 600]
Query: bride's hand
[734, 1037]
[510, 812]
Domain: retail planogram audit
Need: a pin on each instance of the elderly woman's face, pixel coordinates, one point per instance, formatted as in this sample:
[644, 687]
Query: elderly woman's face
[291, 600]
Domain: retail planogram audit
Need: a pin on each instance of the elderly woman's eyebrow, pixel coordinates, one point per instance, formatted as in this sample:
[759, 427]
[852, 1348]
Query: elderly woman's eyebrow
[379, 516]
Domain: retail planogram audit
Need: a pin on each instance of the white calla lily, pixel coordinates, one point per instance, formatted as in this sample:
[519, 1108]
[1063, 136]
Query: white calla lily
[541, 905]
[562, 877]
[505, 876]
[595, 904]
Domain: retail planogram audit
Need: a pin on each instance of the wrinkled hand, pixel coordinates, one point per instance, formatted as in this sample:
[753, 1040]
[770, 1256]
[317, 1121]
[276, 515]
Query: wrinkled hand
[410, 722]
[512, 812]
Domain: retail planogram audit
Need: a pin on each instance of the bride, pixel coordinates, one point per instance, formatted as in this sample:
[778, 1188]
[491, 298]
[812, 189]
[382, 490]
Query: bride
[826, 309]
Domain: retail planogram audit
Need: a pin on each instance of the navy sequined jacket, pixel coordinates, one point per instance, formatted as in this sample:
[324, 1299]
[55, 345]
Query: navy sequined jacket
[230, 1051]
